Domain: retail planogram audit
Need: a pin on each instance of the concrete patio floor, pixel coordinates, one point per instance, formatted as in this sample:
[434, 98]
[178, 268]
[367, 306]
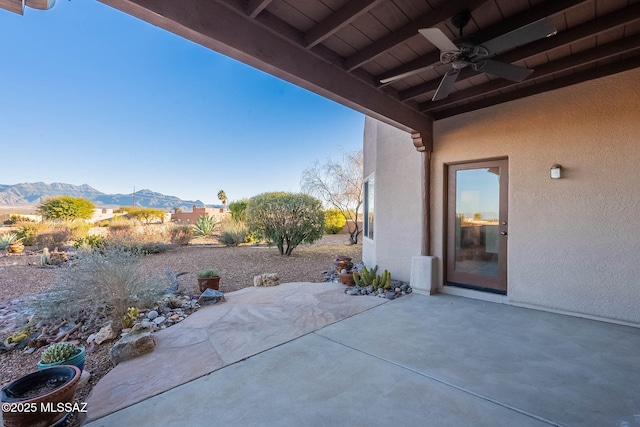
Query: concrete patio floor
[319, 358]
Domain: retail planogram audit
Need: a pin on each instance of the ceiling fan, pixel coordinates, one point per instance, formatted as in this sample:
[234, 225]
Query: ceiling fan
[471, 52]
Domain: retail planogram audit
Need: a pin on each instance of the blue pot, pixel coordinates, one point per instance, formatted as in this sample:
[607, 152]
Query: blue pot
[77, 360]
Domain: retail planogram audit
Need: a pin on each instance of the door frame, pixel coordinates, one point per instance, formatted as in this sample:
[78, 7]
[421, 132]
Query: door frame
[477, 282]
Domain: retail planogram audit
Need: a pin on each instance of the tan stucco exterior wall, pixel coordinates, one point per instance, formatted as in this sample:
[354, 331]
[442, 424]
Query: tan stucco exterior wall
[574, 243]
[392, 160]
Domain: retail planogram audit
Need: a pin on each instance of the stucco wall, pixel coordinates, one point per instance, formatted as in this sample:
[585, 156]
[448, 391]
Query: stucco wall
[396, 166]
[574, 243]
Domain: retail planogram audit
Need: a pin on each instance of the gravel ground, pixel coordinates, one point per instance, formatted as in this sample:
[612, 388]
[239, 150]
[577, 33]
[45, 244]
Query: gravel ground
[21, 275]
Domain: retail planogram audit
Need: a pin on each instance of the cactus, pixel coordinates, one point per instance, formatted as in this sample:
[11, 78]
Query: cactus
[129, 319]
[45, 257]
[59, 352]
[368, 277]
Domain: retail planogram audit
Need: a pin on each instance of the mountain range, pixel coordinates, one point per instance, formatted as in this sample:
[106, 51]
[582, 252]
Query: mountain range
[33, 194]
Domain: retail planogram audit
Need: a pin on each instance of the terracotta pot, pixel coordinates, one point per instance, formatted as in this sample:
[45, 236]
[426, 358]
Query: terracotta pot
[209, 283]
[18, 393]
[15, 248]
[346, 279]
[343, 263]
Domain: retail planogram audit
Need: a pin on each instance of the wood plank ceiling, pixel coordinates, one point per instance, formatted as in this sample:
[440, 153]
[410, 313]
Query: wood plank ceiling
[342, 49]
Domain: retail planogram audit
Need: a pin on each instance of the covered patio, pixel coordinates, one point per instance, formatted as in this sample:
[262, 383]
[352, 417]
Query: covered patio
[415, 361]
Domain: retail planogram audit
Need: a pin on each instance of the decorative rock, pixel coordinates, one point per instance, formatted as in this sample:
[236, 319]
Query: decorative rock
[137, 342]
[174, 317]
[106, 333]
[267, 279]
[404, 287]
[152, 315]
[390, 295]
[91, 338]
[84, 377]
[210, 296]
[159, 320]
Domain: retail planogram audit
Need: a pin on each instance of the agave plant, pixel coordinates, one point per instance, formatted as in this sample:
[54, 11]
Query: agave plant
[204, 226]
[7, 238]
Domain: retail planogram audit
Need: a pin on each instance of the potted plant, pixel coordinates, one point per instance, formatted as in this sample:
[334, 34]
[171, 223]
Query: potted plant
[208, 279]
[38, 395]
[62, 353]
[13, 245]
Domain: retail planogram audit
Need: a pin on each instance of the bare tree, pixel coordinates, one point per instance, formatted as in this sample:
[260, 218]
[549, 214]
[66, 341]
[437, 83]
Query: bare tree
[339, 184]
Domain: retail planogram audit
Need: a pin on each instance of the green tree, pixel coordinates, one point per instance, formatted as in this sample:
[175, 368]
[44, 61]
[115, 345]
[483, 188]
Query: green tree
[339, 185]
[66, 208]
[238, 210]
[286, 219]
[146, 215]
[333, 221]
[222, 197]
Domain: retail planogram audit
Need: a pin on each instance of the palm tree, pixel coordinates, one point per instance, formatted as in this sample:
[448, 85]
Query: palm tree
[222, 197]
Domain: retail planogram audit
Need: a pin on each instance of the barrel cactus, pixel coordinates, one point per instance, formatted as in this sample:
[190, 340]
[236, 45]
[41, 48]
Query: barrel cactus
[59, 352]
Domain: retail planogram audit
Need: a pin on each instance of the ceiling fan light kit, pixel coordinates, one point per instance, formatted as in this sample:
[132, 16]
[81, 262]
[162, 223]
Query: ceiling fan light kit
[471, 52]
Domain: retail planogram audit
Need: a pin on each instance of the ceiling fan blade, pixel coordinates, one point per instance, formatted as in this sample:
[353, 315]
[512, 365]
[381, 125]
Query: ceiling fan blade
[535, 31]
[439, 39]
[446, 84]
[408, 73]
[502, 69]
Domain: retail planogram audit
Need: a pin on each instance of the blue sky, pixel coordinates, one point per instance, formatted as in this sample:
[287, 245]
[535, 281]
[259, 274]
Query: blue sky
[91, 95]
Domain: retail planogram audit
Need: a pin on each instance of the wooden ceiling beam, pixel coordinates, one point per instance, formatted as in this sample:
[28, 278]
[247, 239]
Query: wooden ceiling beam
[564, 38]
[232, 33]
[254, 7]
[16, 6]
[544, 10]
[430, 19]
[338, 20]
[593, 73]
[608, 50]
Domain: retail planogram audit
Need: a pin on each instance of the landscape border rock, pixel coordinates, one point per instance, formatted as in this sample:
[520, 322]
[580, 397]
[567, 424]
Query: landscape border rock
[138, 341]
[266, 280]
[210, 297]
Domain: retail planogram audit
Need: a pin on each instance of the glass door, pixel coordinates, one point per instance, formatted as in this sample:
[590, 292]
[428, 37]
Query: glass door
[477, 225]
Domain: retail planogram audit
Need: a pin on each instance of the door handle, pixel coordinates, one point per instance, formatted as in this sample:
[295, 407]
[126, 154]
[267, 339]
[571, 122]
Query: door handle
[504, 233]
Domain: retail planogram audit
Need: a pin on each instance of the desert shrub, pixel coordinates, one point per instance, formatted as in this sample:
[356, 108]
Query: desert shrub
[27, 231]
[121, 230]
[181, 234]
[238, 210]
[286, 219]
[146, 215]
[13, 219]
[234, 233]
[66, 208]
[52, 236]
[90, 242]
[205, 226]
[334, 220]
[140, 239]
[79, 229]
[101, 285]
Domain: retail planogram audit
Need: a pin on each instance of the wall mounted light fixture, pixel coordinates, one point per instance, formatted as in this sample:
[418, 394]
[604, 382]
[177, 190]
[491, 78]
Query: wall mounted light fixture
[556, 171]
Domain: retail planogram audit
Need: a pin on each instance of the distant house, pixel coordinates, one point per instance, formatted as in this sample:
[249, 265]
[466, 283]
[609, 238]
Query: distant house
[189, 217]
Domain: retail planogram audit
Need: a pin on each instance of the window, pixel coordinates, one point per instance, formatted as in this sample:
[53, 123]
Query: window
[368, 208]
